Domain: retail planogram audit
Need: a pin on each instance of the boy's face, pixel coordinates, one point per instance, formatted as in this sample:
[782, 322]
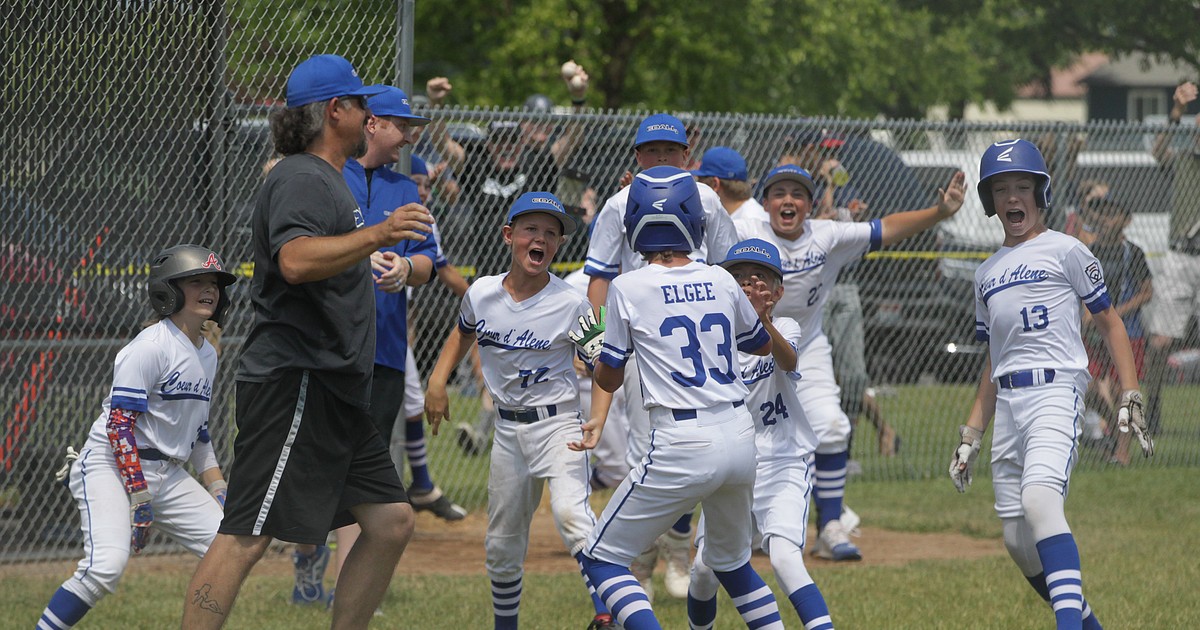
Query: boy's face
[1013, 196]
[661, 153]
[747, 273]
[200, 295]
[535, 239]
[422, 182]
[788, 204]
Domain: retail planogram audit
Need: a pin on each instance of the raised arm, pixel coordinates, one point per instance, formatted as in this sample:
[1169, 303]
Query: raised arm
[901, 225]
[314, 258]
[437, 89]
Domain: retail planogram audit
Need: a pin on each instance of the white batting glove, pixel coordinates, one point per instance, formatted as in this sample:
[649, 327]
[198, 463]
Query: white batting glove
[964, 457]
[590, 336]
[1131, 415]
[62, 475]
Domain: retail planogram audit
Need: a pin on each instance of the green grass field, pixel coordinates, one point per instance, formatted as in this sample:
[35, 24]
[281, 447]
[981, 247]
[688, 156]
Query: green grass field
[1133, 527]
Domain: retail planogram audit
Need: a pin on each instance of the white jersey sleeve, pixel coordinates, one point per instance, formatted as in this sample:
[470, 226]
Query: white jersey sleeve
[1086, 276]
[525, 353]
[719, 232]
[687, 324]
[169, 381]
[607, 240]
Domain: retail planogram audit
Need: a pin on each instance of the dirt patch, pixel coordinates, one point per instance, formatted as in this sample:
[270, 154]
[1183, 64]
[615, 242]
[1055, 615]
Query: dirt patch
[442, 548]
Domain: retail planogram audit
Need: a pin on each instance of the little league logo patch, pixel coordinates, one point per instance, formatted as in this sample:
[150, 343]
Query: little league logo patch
[1094, 273]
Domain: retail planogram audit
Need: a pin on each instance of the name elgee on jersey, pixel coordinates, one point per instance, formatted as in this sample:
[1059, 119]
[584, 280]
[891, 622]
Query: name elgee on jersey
[177, 387]
[526, 339]
[688, 292]
[1021, 274]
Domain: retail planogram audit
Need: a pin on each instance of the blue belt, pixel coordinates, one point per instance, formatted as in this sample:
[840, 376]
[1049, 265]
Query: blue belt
[154, 455]
[690, 414]
[527, 415]
[1026, 378]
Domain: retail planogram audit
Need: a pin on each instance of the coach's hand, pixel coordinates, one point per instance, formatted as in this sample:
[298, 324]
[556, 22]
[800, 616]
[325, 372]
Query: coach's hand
[143, 518]
[591, 436]
[590, 336]
[964, 457]
[410, 222]
[950, 198]
[1131, 415]
[391, 271]
[437, 406]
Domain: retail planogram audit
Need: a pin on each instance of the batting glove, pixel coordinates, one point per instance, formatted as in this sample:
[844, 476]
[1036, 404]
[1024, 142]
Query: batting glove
[63, 475]
[1131, 415]
[590, 336]
[143, 518]
[964, 457]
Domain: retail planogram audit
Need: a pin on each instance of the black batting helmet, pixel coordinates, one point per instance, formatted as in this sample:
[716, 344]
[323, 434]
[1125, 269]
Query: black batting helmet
[181, 261]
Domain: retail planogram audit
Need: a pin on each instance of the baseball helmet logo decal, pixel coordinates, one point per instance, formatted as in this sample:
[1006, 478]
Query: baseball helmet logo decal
[212, 262]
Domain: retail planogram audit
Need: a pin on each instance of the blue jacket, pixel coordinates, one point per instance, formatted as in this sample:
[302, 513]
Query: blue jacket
[387, 191]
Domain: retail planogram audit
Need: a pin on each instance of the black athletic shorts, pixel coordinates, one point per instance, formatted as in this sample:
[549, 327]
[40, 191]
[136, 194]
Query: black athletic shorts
[387, 399]
[301, 459]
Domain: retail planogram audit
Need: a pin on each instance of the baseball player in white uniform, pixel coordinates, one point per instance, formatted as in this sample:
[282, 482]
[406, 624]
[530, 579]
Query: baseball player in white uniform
[521, 320]
[661, 140]
[130, 475]
[1027, 298]
[684, 322]
[813, 252]
[784, 442]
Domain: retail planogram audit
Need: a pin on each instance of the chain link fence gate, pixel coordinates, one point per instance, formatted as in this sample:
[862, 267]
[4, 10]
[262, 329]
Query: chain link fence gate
[133, 127]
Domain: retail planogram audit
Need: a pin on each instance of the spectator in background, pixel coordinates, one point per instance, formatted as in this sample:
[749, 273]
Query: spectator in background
[724, 170]
[1129, 285]
[1177, 288]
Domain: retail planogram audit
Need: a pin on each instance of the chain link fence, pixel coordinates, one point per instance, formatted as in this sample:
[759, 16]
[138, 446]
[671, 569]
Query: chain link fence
[143, 125]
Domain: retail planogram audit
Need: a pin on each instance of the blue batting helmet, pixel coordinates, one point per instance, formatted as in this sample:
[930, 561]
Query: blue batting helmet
[1013, 156]
[664, 212]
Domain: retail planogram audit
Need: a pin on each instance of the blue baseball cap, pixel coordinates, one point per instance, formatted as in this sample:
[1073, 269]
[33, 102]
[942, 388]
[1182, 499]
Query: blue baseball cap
[392, 101]
[323, 77]
[546, 203]
[418, 166]
[724, 163]
[660, 127]
[789, 172]
[757, 251]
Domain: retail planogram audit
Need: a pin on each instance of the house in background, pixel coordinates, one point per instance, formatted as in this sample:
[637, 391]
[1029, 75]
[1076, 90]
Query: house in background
[1134, 88]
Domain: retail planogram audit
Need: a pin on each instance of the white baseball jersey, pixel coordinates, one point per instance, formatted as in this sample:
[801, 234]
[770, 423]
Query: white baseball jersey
[811, 264]
[1027, 303]
[782, 430]
[750, 210]
[608, 249]
[664, 312]
[170, 382]
[524, 351]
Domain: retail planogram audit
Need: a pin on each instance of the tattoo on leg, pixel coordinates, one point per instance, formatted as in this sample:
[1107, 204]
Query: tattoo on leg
[203, 601]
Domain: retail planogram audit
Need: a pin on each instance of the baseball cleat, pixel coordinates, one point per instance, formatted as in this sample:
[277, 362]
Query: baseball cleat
[850, 521]
[435, 501]
[603, 621]
[834, 544]
[310, 576]
[673, 547]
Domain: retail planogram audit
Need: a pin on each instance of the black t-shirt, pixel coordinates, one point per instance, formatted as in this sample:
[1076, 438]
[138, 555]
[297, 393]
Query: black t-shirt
[328, 326]
[489, 192]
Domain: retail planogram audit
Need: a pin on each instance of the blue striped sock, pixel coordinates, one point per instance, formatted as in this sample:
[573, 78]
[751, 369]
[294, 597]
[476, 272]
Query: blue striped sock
[64, 610]
[829, 487]
[506, 603]
[752, 597]
[1038, 582]
[1060, 560]
[596, 603]
[810, 605]
[684, 524]
[622, 594]
[418, 462]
